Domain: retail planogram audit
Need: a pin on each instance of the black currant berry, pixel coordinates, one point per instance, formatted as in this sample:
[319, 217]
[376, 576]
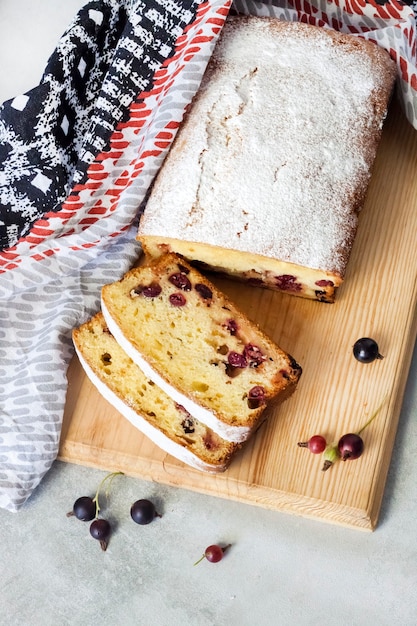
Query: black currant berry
[84, 509]
[366, 350]
[143, 512]
[100, 529]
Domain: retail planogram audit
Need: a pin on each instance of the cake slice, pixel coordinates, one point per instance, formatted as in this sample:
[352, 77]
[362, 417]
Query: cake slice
[146, 406]
[271, 165]
[197, 346]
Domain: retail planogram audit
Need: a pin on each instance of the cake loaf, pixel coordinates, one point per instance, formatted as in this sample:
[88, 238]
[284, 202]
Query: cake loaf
[271, 165]
[146, 406]
[197, 346]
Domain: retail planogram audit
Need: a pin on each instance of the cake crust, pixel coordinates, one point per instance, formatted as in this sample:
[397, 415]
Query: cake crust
[272, 162]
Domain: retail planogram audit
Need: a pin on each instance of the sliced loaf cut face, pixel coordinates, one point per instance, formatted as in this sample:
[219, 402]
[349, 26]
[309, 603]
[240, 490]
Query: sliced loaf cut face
[147, 407]
[194, 343]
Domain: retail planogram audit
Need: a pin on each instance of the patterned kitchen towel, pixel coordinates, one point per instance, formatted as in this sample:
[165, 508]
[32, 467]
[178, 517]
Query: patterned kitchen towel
[77, 155]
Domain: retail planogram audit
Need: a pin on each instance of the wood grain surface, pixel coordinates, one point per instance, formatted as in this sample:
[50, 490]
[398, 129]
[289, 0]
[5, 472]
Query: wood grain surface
[336, 394]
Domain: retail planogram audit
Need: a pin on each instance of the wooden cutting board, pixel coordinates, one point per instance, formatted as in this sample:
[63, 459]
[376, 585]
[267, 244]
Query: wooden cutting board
[336, 393]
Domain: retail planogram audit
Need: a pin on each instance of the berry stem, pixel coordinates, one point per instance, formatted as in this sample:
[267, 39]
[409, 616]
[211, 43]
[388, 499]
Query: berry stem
[373, 416]
[109, 477]
[200, 559]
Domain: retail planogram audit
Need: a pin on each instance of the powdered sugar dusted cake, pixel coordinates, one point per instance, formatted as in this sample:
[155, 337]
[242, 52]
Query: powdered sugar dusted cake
[145, 405]
[271, 165]
[195, 344]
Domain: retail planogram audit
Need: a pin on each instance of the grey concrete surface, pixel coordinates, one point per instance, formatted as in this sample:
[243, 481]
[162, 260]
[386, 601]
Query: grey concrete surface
[282, 570]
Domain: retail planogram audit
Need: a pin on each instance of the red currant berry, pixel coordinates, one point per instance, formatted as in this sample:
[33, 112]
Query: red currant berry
[315, 444]
[213, 553]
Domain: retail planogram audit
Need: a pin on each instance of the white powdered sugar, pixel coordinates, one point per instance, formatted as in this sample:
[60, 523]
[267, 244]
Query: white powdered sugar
[276, 154]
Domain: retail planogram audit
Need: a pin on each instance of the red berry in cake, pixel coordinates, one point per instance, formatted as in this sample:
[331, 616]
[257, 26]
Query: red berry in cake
[148, 291]
[152, 291]
[254, 355]
[181, 281]
[188, 423]
[213, 553]
[324, 283]
[177, 299]
[287, 282]
[231, 326]
[236, 359]
[316, 444]
[203, 291]
[256, 397]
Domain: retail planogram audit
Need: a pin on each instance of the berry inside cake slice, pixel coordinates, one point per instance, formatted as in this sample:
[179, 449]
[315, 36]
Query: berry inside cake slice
[193, 342]
[146, 406]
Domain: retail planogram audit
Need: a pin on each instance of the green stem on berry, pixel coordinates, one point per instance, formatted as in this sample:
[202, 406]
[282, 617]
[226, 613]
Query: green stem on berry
[109, 477]
[373, 416]
[200, 559]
